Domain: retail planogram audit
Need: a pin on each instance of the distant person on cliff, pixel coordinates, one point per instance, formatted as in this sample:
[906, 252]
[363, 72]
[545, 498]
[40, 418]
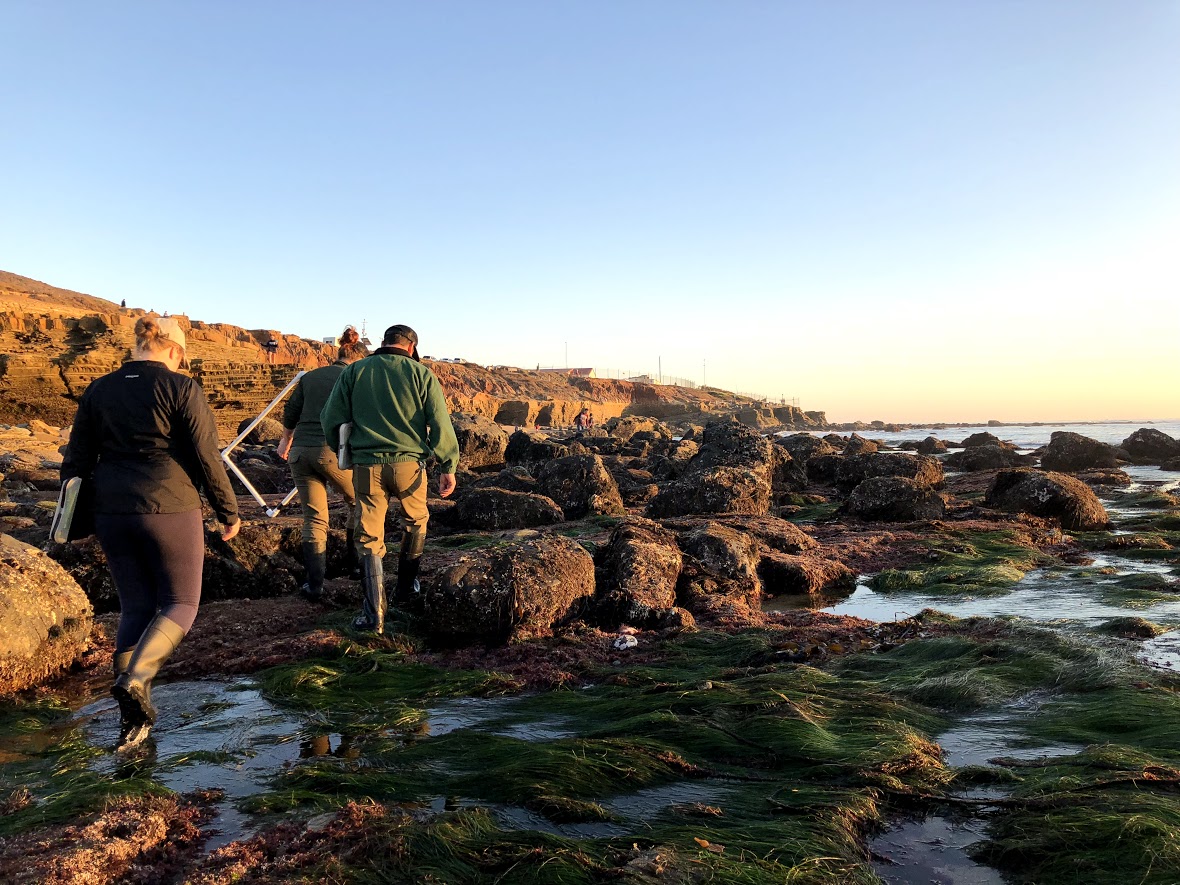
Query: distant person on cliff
[399, 419]
[583, 421]
[145, 437]
[313, 464]
[272, 347]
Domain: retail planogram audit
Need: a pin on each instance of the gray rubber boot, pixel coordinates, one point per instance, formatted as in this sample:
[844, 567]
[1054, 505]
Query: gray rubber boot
[372, 616]
[316, 562]
[133, 687]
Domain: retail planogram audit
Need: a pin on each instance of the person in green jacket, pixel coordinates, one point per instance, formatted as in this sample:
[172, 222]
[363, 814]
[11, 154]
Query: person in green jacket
[399, 419]
[313, 463]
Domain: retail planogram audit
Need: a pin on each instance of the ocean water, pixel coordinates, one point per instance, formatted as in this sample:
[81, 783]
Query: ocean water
[1026, 436]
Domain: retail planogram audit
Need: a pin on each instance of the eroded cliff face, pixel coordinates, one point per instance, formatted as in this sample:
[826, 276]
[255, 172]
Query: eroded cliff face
[54, 342]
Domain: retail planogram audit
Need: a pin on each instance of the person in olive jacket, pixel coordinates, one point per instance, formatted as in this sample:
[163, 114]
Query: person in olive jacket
[145, 437]
[313, 464]
[399, 419]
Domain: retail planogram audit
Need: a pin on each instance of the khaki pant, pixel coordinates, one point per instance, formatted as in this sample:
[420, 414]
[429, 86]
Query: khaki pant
[374, 485]
[313, 470]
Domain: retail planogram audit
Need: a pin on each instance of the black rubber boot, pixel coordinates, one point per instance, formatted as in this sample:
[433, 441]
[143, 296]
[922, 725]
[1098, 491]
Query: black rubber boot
[316, 562]
[408, 592]
[133, 687]
[354, 559]
[372, 616]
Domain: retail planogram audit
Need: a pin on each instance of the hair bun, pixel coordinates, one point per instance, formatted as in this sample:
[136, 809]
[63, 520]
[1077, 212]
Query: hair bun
[350, 336]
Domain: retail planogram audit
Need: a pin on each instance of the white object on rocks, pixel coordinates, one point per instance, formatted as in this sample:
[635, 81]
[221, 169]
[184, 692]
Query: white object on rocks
[625, 641]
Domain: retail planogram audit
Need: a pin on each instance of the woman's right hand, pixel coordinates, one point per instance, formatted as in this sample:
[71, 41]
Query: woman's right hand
[230, 529]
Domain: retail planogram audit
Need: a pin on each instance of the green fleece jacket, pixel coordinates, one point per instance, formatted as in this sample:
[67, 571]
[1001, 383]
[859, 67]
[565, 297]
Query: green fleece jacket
[397, 409]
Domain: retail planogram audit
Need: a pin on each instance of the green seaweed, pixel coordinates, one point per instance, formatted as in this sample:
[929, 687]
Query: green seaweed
[975, 563]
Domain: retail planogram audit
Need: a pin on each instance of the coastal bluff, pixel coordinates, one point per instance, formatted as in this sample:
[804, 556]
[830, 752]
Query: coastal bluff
[54, 342]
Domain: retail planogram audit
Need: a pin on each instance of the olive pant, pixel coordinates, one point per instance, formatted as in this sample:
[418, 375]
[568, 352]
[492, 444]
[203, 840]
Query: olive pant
[374, 485]
[313, 469]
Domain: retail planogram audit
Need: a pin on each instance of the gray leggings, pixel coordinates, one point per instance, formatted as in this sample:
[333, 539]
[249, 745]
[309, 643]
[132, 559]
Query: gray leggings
[156, 560]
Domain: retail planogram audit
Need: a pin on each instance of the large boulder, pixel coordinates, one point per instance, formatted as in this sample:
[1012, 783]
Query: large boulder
[482, 442]
[735, 471]
[266, 471]
[922, 469]
[983, 438]
[1072, 452]
[640, 566]
[725, 565]
[804, 446]
[931, 445]
[530, 449]
[1048, 494]
[492, 509]
[717, 490]
[1150, 446]
[581, 486]
[823, 469]
[522, 589]
[895, 499]
[858, 445]
[784, 574]
[260, 561]
[266, 432]
[45, 617]
[514, 479]
[982, 457]
[626, 427]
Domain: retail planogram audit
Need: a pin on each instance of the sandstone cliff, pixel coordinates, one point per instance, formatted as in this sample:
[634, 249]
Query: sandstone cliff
[54, 342]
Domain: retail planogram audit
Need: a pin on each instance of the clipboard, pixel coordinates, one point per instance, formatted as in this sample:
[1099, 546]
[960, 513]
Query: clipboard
[344, 453]
[74, 517]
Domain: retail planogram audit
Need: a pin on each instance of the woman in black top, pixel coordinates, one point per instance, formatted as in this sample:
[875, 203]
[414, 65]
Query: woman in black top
[145, 436]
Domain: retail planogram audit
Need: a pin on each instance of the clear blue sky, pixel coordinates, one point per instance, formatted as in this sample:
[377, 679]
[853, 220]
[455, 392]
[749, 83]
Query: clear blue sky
[902, 210]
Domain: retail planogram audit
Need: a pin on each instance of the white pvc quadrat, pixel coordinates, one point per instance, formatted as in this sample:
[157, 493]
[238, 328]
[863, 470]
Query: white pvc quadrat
[270, 511]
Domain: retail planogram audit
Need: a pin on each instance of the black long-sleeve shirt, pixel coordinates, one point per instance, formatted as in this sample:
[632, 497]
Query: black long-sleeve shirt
[147, 437]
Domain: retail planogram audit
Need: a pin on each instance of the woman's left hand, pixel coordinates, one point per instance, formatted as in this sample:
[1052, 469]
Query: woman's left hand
[230, 529]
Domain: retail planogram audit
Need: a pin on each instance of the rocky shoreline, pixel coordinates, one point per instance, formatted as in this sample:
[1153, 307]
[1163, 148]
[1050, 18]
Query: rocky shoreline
[645, 603]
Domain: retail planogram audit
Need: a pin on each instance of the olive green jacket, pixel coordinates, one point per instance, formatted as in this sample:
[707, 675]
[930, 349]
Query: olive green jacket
[397, 410]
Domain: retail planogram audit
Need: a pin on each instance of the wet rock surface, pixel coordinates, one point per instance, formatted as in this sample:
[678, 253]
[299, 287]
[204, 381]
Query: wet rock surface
[45, 618]
[510, 590]
[895, 499]
[640, 566]
[1048, 494]
[1071, 452]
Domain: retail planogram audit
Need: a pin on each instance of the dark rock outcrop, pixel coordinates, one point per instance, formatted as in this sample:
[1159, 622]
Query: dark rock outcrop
[482, 442]
[804, 446]
[727, 555]
[716, 490]
[532, 449]
[45, 618]
[1071, 452]
[1150, 446]
[823, 469]
[581, 486]
[522, 589]
[986, 439]
[922, 469]
[931, 445]
[640, 565]
[735, 471]
[1053, 495]
[858, 445]
[785, 575]
[984, 457]
[895, 499]
[493, 509]
[265, 433]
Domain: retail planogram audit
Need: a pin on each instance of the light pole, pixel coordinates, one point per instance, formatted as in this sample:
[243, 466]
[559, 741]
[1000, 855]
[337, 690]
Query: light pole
[567, 354]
